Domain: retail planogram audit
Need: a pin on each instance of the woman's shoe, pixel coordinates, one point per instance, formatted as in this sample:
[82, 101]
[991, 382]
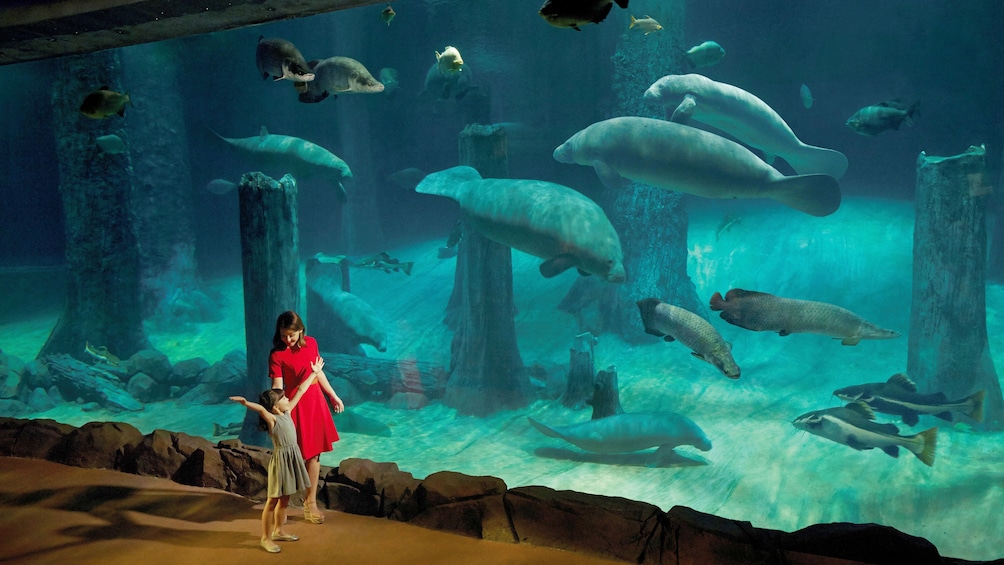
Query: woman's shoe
[269, 546]
[316, 518]
[276, 536]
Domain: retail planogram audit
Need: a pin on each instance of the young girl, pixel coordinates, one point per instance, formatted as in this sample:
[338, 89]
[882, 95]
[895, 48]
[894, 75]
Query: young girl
[287, 472]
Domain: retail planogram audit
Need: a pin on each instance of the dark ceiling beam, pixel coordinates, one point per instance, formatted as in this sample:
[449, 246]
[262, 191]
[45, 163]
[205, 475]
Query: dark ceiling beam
[32, 30]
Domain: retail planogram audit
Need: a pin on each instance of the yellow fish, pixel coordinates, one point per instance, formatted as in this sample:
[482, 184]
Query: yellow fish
[450, 60]
[646, 24]
[103, 103]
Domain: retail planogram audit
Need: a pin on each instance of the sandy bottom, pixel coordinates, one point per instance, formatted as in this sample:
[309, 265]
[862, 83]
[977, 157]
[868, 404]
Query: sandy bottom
[760, 468]
[57, 514]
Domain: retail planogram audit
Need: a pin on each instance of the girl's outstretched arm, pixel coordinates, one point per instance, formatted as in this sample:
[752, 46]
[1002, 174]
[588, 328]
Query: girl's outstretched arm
[302, 388]
[258, 408]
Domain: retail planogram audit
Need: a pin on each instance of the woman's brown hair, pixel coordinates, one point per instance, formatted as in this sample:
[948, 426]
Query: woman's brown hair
[288, 321]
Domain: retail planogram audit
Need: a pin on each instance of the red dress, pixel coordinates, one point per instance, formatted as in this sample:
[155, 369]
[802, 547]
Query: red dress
[315, 429]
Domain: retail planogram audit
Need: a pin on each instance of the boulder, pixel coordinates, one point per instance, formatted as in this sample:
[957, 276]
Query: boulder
[459, 503]
[100, 445]
[144, 388]
[695, 537]
[347, 498]
[867, 543]
[39, 401]
[384, 480]
[36, 375]
[152, 362]
[188, 372]
[247, 468]
[13, 407]
[35, 439]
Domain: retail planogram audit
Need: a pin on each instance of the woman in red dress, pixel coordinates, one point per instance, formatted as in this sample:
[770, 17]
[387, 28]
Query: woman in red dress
[293, 358]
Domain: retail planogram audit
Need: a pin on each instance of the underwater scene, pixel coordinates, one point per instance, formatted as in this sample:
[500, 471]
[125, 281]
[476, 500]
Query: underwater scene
[742, 257]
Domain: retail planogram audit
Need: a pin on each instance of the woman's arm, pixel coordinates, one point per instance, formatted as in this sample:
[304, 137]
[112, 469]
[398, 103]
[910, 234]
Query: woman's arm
[275, 371]
[255, 407]
[326, 386]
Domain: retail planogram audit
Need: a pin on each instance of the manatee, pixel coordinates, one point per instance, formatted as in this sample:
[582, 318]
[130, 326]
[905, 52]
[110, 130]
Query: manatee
[624, 433]
[685, 159]
[442, 85]
[674, 323]
[280, 59]
[358, 318]
[288, 154]
[337, 75]
[743, 116]
[762, 312]
[546, 220]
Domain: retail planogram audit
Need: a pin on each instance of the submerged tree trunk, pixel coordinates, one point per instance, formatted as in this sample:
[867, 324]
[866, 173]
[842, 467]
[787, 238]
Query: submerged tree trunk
[651, 222]
[172, 292]
[487, 371]
[270, 251]
[102, 256]
[948, 349]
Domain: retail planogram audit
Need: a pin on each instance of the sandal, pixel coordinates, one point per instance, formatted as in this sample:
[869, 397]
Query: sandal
[309, 516]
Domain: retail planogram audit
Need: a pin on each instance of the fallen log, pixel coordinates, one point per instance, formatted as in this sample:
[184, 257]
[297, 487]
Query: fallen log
[385, 377]
[76, 379]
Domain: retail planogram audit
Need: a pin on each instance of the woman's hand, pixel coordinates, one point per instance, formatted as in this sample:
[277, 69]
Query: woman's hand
[338, 404]
[317, 365]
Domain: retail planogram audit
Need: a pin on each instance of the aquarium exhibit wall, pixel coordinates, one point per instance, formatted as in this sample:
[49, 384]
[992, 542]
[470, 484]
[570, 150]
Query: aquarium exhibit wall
[740, 257]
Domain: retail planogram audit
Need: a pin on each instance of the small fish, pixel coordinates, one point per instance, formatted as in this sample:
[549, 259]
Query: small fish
[449, 61]
[727, 222]
[110, 144]
[101, 354]
[646, 24]
[381, 261]
[103, 103]
[231, 429]
[898, 396]
[875, 119]
[387, 15]
[854, 427]
[575, 13]
[806, 95]
[220, 186]
[704, 55]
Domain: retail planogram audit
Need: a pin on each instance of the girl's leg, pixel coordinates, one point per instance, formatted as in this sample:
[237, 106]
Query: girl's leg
[268, 524]
[310, 510]
[280, 519]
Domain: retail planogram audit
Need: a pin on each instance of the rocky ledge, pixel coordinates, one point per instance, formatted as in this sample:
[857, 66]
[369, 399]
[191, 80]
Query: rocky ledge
[479, 507]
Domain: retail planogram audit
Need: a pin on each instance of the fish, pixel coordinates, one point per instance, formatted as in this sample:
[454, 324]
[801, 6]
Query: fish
[762, 312]
[575, 13]
[744, 116]
[675, 157]
[449, 61]
[101, 354]
[388, 77]
[704, 55]
[443, 86]
[381, 261]
[280, 59]
[288, 154]
[110, 144]
[875, 119]
[387, 15]
[674, 323]
[806, 96]
[727, 222]
[853, 426]
[220, 186]
[898, 396]
[544, 219]
[646, 24]
[624, 433]
[104, 102]
[337, 75]
[231, 429]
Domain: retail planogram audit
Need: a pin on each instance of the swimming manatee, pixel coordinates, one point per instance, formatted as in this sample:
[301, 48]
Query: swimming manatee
[546, 220]
[624, 433]
[744, 116]
[287, 154]
[338, 75]
[359, 319]
[685, 159]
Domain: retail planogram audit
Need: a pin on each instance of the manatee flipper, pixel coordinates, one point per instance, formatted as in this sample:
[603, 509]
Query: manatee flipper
[544, 428]
[556, 265]
[685, 110]
[815, 194]
[583, 273]
[608, 176]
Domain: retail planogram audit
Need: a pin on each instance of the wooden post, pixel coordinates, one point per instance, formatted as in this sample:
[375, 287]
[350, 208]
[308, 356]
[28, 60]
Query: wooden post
[270, 252]
[579, 388]
[948, 348]
[487, 369]
[606, 396]
[102, 256]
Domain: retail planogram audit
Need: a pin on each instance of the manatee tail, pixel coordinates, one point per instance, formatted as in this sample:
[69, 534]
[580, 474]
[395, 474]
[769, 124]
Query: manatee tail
[544, 428]
[448, 182]
[809, 159]
[818, 195]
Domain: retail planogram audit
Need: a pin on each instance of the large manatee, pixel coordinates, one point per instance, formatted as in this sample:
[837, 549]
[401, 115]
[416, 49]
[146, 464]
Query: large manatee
[744, 116]
[624, 433]
[544, 219]
[337, 75]
[288, 154]
[685, 159]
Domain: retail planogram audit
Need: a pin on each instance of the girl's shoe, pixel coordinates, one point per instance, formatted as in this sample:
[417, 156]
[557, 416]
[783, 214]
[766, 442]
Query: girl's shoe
[269, 546]
[276, 536]
[316, 518]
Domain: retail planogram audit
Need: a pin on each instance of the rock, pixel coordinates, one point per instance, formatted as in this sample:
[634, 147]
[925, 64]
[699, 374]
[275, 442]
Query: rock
[100, 445]
[223, 379]
[34, 439]
[36, 374]
[617, 528]
[868, 543]
[143, 388]
[11, 370]
[347, 498]
[695, 537]
[247, 468]
[39, 401]
[188, 372]
[13, 407]
[384, 480]
[459, 503]
[152, 362]
[348, 392]
[408, 401]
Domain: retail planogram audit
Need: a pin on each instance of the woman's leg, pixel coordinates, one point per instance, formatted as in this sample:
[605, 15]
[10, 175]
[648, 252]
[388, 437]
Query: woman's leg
[310, 497]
